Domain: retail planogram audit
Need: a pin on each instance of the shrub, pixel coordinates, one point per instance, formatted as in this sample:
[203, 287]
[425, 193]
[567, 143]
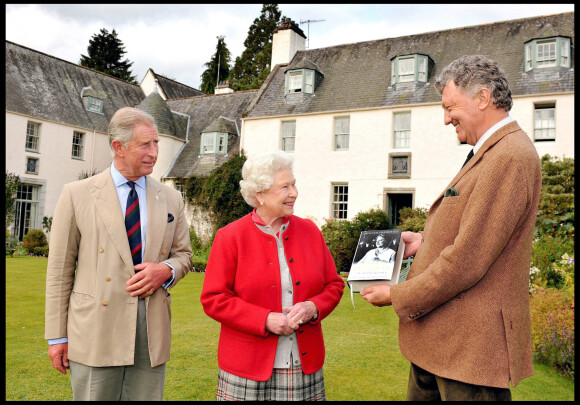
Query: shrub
[547, 252]
[341, 236]
[412, 219]
[199, 266]
[552, 316]
[41, 251]
[34, 238]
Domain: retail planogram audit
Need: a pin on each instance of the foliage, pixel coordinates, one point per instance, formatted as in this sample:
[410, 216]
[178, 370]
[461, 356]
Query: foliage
[341, 236]
[12, 186]
[88, 173]
[555, 222]
[105, 52]
[46, 223]
[350, 354]
[253, 66]
[412, 219]
[219, 61]
[220, 191]
[556, 211]
[552, 316]
[40, 251]
[34, 238]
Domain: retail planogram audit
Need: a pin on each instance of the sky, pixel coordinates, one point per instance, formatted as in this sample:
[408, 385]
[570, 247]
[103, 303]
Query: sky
[176, 40]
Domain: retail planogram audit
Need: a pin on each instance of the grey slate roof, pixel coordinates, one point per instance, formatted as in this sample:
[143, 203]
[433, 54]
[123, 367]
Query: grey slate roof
[358, 75]
[167, 122]
[173, 89]
[40, 85]
[208, 112]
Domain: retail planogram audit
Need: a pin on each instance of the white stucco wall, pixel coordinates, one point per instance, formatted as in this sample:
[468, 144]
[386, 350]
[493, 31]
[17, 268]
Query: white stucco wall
[436, 156]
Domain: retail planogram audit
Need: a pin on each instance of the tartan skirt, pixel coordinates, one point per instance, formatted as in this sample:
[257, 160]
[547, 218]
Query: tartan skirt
[285, 384]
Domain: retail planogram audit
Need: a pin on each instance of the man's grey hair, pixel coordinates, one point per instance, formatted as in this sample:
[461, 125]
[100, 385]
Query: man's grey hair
[471, 73]
[258, 173]
[122, 123]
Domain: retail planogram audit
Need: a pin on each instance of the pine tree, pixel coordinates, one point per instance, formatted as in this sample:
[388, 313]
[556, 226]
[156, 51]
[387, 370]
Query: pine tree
[221, 58]
[253, 66]
[105, 52]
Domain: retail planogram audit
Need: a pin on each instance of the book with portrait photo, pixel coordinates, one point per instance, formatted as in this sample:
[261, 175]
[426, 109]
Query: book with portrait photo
[377, 259]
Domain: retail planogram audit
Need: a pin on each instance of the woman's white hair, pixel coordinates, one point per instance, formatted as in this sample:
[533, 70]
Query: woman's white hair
[258, 173]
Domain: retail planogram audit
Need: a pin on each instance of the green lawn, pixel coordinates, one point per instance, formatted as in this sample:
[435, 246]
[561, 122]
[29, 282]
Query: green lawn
[363, 361]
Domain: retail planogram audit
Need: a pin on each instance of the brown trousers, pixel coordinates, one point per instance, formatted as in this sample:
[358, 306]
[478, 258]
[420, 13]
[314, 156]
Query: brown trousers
[425, 386]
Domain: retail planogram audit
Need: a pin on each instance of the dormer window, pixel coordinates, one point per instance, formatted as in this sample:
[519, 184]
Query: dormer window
[214, 142]
[300, 81]
[547, 52]
[94, 104]
[410, 68]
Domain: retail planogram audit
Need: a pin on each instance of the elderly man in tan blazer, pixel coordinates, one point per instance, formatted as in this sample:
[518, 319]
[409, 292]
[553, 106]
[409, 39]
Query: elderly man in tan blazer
[464, 317]
[119, 242]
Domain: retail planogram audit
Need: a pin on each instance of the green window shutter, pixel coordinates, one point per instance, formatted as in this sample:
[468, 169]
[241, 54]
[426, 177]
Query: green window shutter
[286, 80]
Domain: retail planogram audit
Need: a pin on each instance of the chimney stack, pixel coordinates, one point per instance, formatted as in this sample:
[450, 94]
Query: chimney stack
[286, 41]
[223, 88]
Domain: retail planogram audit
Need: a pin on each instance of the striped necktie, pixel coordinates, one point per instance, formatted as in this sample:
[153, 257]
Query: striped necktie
[133, 223]
[469, 156]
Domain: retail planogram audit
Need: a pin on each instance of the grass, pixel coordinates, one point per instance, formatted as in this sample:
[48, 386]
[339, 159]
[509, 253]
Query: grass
[363, 361]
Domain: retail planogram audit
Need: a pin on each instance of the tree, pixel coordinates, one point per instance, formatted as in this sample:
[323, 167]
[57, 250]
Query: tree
[12, 185]
[220, 60]
[253, 66]
[105, 52]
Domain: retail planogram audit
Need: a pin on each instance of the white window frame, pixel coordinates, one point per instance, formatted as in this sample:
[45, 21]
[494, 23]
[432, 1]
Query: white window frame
[401, 132]
[27, 199]
[300, 81]
[32, 136]
[288, 136]
[94, 104]
[558, 53]
[79, 145]
[545, 122]
[214, 143]
[341, 133]
[339, 203]
[416, 69]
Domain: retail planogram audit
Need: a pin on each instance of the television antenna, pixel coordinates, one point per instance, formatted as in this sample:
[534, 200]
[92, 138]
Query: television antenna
[308, 29]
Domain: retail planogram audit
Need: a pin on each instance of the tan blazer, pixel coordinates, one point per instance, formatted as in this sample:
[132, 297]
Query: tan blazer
[464, 309]
[91, 308]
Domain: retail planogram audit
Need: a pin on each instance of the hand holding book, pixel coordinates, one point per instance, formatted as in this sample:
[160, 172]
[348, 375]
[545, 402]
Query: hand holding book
[379, 294]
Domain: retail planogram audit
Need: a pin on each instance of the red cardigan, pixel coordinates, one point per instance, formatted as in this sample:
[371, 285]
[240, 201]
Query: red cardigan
[242, 286]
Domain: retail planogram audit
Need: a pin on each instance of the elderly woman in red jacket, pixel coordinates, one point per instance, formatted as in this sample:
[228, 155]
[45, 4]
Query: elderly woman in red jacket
[269, 281]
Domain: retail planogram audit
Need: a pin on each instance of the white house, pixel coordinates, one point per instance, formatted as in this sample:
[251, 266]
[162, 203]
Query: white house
[365, 123]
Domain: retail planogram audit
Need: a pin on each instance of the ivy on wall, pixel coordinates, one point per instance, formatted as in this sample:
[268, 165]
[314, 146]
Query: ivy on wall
[219, 192]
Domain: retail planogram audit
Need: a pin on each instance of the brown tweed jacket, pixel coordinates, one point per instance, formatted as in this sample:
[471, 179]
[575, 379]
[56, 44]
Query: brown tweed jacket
[464, 309]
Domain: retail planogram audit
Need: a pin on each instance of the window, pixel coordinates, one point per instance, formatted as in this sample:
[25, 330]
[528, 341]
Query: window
[179, 187]
[400, 165]
[341, 133]
[214, 142]
[78, 145]
[25, 213]
[288, 135]
[547, 52]
[95, 104]
[300, 81]
[409, 68]
[545, 123]
[402, 130]
[339, 201]
[32, 136]
[31, 165]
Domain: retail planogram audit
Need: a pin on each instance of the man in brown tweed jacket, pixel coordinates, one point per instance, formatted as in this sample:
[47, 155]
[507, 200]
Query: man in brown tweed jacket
[464, 318]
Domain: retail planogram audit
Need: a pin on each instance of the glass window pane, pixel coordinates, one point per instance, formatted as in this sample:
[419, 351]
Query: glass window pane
[288, 135]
